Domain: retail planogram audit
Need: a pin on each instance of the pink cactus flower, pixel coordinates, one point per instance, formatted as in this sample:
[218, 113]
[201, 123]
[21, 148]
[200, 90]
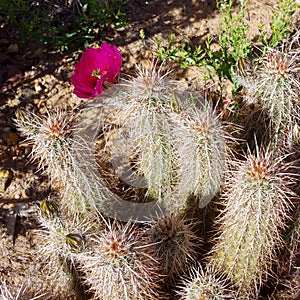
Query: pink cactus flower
[97, 67]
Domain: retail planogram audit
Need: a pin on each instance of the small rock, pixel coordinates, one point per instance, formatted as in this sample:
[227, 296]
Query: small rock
[10, 73]
[13, 48]
[4, 42]
[5, 178]
[3, 121]
[6, 129]
[27, 93]
[11, 220]
[13, 102]
[4, 157]
[20, 164]
[18, 196]
[11, 138]
[38, 52]
[54, 91]
[38, 87]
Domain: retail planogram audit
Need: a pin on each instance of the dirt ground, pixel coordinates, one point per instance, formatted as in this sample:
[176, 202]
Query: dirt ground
[34, 78]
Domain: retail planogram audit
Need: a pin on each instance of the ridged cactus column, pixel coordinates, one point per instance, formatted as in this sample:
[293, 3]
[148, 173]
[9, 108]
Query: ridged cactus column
[119, 265]
[202, 151]
[174, 244]
[256, 207]
[167, 137]
[63, 154]
[274, 85]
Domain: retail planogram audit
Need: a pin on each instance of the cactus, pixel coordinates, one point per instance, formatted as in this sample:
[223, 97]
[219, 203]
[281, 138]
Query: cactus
[19, 292]
[51, 137]
[119, 265]
[146, 131]
[257, 202]
[63, 236]
[202, 153]
[157, 127]
[64, 156]
[174, 244]
[288, 266]
[205, 285]
[273, 84]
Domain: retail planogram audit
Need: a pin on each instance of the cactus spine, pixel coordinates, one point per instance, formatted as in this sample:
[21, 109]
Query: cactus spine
[257, 202]
[118, 265]
[205, 285]
[273, 84]
[162, 128]
[174, 244]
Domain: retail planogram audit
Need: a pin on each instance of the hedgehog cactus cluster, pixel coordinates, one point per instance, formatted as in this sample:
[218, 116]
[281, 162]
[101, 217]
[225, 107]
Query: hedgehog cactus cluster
[160, 124]
[139, 158]
[257, 204]
[273, 85]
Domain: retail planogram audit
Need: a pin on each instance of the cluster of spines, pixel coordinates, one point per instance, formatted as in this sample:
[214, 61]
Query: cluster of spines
[257, 203]
[20, 292]
[64, 235]
[273, 85]
[202, 154]
[174, 243]
[50, 137]
[205, 284]
[164, 127]
[118, 265]
[64, 155]
[256, 194]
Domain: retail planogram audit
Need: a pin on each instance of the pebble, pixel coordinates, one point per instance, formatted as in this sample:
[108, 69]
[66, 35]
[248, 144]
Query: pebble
[18, 196]
[27, 93]
[3, 121]
[4, 42]
[13, 102]
[20, 164]
[11, 138]
[4, 157]
[54, 91]
[13, 48]
[38, 52]
[5, 177]
[38, 87]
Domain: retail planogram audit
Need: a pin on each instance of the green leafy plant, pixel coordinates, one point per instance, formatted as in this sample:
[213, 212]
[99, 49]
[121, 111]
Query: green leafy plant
[179, 52]
[233, 45]
[62, 26]
[281, 23]
[233, 30]
[232, 40]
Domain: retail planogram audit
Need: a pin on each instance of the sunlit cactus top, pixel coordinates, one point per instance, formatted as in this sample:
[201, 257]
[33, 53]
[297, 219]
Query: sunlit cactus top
[258, 171]
[152, 83]
[282, 63]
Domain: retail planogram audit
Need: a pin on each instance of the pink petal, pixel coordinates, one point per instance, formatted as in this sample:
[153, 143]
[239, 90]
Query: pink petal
[98, 88]
[107, 60]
